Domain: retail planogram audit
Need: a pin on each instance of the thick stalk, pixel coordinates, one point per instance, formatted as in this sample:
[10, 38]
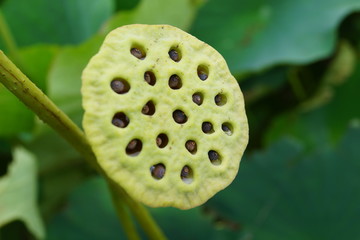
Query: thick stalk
[38, 102]
[296, 85]
[145, 220]
[123, 214]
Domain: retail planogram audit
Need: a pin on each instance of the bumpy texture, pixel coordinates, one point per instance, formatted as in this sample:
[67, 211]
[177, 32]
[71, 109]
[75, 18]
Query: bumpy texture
[164, 115]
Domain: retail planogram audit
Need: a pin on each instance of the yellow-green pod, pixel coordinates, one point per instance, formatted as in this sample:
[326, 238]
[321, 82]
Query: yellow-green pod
[164, 115]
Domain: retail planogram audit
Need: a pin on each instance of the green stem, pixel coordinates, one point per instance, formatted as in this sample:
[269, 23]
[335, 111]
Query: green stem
[149, 226]
[296, 85]
[9, 41]
[38, 102]
[124, 215]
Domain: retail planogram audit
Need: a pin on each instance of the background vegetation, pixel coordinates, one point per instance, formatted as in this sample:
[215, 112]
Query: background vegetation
[297, 63]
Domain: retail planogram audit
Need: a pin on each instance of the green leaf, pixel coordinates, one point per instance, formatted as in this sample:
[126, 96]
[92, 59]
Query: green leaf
[61, 168]
[179, 13]
[5, 156]
[124, 4]
[36, 62]
[65, 76]
[59, 183]
[53, 21]
[253, 35]
[18, 192]
[51, 149]
[282, 193]
[89, 215]
[189, 224]
[261, 84]
[323, 125]
[80, 219]
[15, 117]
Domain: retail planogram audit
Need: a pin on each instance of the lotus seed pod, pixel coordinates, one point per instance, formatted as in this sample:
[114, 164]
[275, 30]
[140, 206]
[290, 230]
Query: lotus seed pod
[164, 115]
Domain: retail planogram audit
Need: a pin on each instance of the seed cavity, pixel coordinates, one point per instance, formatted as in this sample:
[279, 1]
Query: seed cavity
[134, 147]
[138, 52]
[148, 108]
[120, 86]
[227, 128]
[220, 99]
[191, 146]
[202, 72]
[179, 116]
[214, 157]
[120, 120]
[207, 127]
[158, 171]
[186, 174]
[198, 98]
[175, 82]
[150, 78]
[162, 140]
[175, 54]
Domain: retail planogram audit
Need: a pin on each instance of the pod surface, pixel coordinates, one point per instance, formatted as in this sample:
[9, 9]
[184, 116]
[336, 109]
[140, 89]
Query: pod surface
[164, 116]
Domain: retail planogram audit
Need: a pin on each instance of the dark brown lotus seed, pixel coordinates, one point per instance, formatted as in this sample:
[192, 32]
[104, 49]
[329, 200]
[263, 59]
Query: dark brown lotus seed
[207, 127]
[203, 76]
[174, 55]
[220, 99]
[158, 171]
[191, 146]
[162, 140]
[132, 144]
[202, 73]
[134, 147]
[148, 108]
[120, 86]
[197, 98]
[158, 141]
[145, 109]
[136, 52]
[120, 120]
[179, 116]
[150, 78]
[214, 157]
[227, 128]
[186, 174]
[175, 82]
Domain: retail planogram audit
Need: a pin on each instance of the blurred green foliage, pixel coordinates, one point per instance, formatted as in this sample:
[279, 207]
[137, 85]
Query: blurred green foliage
[19, 192]
[297, 63]
[255, 34]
